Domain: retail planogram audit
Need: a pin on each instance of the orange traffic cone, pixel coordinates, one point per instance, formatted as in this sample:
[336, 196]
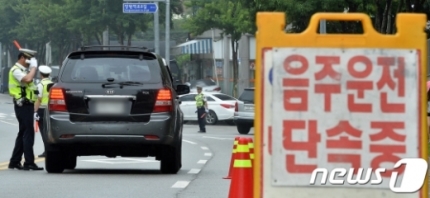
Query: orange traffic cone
[36, 126]
[242, 181]
[236, 141]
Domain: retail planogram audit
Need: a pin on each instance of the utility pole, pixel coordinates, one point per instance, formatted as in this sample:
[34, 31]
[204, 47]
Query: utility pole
[323, 29]
[167, 55]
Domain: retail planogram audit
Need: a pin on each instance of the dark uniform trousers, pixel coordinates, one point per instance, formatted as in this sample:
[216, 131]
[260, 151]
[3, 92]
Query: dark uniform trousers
[25, 139]
[41, 113]
[202, 120]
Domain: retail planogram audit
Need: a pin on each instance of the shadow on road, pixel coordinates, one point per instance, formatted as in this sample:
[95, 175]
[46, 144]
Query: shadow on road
[219, 123]
[113, 171]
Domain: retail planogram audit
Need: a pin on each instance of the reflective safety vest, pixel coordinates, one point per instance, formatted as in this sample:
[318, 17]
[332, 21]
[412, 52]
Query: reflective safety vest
[15, 87]
[45, 93]
[200, 100]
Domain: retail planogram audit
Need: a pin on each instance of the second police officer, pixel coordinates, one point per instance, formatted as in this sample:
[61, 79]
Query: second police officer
[24, 94]
[202, 109]
[43, 97]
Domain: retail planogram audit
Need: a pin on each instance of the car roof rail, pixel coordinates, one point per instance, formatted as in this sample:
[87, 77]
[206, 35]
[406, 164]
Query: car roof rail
[114, 47]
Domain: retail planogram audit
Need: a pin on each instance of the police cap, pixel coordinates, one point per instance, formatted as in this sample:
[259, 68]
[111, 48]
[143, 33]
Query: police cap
[45, 69]
[27, 52]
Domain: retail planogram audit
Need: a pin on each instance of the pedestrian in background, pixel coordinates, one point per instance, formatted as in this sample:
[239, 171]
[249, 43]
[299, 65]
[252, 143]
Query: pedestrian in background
[202, 109]
[42, 101]
[23, 92]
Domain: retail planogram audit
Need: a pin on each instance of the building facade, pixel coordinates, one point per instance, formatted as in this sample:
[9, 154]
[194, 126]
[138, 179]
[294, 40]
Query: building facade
[212, 55]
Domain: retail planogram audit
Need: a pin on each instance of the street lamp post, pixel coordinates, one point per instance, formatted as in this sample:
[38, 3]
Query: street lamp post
[156, 25]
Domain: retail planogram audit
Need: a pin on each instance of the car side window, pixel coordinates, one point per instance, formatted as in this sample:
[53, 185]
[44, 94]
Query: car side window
[224, 97]
[209, 98]
[188, 98]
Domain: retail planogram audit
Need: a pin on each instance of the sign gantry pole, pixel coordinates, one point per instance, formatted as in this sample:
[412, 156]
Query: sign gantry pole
[138, 7]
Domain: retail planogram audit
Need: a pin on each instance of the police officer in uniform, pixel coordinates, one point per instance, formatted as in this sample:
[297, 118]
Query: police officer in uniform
[43, 98]
[24, 93]
[202, 109]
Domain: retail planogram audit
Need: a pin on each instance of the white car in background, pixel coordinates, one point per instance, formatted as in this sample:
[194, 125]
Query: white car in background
[221, 107]
[206, 84]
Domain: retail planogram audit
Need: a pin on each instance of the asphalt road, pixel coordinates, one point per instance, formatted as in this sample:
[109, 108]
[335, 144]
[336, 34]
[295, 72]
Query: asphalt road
[206, 159]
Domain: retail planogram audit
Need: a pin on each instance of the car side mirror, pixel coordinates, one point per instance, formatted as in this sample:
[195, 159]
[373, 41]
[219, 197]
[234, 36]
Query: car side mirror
[55, 79]
[182, 89]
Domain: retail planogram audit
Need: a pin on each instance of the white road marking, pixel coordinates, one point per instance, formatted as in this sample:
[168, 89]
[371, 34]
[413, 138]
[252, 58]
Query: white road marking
[202, 162]
[194, 171]
[181, 184]
[218, 138]
[204, 148]
[208, 154]
[9, 123]
[187, 141]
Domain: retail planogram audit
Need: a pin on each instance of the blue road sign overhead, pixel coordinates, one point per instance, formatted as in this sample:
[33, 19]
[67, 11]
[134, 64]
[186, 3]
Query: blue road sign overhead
[139, 8]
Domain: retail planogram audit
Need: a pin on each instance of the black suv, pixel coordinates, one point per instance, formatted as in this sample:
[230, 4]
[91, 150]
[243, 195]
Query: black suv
[113, 101]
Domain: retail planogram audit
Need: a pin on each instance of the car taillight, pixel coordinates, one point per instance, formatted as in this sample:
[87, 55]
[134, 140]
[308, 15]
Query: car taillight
[164, 101]
[57, 102]
[217, 89]
[228, 106]
[236, 108]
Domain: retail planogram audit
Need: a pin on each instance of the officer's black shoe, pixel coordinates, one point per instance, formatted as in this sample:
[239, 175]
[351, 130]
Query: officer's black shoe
[32, 167]
[42, 155]
[16, 166]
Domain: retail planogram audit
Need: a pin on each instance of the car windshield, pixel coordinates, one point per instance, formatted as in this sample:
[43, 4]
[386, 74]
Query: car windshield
[247, 96]
[203, 83]
[99, 69]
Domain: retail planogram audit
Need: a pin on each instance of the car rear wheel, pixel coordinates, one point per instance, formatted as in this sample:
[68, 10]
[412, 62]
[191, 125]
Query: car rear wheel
[54, 162]
[171, 161]
[211, 118]
[243, 128]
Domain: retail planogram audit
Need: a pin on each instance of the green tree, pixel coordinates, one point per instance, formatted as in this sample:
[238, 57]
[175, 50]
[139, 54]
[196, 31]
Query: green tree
[382, 12]
[67, 24]
[229, 16]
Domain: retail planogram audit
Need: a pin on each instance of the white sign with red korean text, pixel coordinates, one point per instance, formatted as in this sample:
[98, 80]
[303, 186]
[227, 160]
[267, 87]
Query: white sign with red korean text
[343, 108]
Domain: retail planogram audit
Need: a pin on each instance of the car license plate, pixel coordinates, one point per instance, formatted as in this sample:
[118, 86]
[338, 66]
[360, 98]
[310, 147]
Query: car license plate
[109, 107]
[249, 108]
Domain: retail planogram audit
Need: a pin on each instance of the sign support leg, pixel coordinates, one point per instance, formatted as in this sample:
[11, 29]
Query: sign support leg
[157, 30]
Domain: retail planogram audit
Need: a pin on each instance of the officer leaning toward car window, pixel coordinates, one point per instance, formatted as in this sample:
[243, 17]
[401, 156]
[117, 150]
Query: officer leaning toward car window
[24, 94]
[43, 97]
[202, 109]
